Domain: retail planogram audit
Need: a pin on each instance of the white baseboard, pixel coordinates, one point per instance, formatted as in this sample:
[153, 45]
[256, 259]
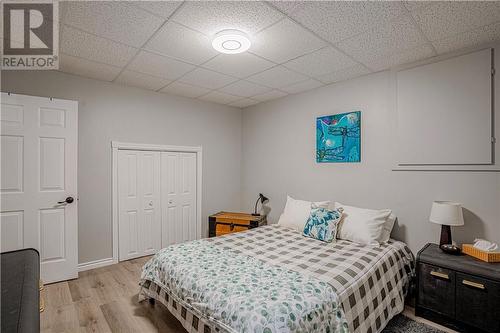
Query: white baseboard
[85, 266]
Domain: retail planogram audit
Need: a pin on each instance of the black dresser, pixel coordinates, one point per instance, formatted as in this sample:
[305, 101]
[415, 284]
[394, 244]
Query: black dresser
[459, 292]
[20, 291]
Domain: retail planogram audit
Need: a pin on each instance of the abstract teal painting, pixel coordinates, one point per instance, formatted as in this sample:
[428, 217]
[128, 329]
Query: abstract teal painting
[338, 138]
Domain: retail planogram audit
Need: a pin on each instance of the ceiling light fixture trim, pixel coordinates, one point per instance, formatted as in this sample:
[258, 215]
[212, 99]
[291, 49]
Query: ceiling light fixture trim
[231, 42]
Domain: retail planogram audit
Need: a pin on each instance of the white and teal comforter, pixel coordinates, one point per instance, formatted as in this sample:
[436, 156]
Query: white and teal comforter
[223, 283]
[244, 294]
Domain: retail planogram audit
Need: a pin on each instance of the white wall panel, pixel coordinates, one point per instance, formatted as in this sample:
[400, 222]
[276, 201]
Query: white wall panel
[445, 112]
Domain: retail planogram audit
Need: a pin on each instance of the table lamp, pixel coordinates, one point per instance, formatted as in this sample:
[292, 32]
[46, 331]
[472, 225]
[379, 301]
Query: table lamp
[262, 198]
[447, 214]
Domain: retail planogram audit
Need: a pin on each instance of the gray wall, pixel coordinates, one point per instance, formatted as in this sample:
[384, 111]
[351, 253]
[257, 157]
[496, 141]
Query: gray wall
[279, 159]
[112, 112]
[269, 148]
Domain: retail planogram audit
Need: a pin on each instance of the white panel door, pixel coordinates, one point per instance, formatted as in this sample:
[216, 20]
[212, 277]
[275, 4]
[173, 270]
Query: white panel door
[39, 152]
[178, 195]
[139, 224]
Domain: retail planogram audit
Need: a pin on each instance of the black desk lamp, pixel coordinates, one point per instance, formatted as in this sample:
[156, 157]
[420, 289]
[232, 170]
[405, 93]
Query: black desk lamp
[262, 200]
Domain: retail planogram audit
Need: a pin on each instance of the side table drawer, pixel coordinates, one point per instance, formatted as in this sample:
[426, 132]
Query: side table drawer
[436, 289]
[222, 229]
[478, 302]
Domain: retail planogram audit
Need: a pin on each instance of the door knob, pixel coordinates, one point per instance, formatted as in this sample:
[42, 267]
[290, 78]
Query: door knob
[68, 200]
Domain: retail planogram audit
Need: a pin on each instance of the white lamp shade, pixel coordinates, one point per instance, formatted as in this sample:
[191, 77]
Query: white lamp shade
[446, 213]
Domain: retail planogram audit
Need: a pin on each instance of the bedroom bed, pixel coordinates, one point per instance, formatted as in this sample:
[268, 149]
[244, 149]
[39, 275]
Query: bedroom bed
[273, 279]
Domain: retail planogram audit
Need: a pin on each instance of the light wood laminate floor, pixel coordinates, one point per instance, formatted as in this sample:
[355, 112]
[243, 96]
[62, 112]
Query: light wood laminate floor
[105, 300]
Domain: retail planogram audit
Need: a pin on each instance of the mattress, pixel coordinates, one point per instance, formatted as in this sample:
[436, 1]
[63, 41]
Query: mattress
[362, 287]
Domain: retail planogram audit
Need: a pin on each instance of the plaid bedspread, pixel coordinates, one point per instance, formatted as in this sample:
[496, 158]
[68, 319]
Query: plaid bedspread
[371, 282]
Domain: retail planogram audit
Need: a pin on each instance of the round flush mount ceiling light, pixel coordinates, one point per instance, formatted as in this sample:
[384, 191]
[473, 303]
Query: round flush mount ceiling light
[231, 42]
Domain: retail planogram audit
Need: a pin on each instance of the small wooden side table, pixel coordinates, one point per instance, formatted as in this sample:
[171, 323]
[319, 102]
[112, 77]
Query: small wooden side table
[224, 223]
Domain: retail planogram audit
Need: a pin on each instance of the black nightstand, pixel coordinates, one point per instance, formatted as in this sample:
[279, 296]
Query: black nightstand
[459, 292]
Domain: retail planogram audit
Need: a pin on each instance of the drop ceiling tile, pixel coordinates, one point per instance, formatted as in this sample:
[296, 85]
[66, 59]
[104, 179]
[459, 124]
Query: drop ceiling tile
[415, 5]
[284, 41]
[318, 63]
[302, 86]
[182, 43]
[344, 74]
[471, 38]
[115, 20]
[273, 94]
[244, 89]
[338, 20]
[207, 79]
[183, 89]
[287, 6]
[87, 68]
[394, 37]
[277, 77]
[447, 18]
[238, 65]
[163, 9]
[243, 103]
[156, 65]
[210, 17]
[395, 59]
[81, 44]
[140, 80]
[218, 97]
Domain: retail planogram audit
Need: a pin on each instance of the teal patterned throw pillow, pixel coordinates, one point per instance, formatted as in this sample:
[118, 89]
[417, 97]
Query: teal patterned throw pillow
[322, 224]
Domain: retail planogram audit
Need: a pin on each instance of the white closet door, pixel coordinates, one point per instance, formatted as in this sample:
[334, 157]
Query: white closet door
[39, 152]
[139, 203]
[178, 195]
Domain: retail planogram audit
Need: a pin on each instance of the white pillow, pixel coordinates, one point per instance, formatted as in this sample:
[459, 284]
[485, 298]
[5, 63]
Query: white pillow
[388, 225]
[297, 212]
[364, 226]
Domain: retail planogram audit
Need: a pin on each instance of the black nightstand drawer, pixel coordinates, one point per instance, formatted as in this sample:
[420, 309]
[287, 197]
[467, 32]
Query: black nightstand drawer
[436, 289]
[479, 302]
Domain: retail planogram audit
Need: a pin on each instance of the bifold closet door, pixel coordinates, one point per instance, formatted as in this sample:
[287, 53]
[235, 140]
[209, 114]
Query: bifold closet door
[139, 203]
[178, 196]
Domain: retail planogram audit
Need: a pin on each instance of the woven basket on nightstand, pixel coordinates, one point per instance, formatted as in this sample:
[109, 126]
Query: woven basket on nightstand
[479, 254]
